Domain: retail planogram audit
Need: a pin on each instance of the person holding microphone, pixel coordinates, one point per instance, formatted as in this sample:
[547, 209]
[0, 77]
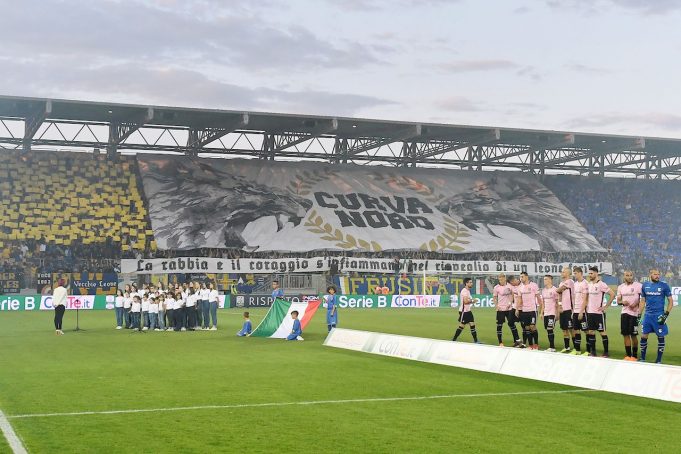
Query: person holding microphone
[59, 303]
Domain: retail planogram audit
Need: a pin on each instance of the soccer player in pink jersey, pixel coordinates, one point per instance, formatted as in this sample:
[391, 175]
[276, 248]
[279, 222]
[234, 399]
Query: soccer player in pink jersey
[629, 297]
[566, 290]
[527, 301]
[595, 311]
[581, 287]
[549, 308]
[465, 314]
[503, 301]
[515, 283]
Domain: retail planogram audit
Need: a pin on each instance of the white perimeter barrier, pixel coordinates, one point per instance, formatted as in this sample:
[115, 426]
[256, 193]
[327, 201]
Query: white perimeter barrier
[656, 381]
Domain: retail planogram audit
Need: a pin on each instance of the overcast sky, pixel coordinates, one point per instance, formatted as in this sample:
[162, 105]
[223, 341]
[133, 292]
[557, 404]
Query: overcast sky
[610, 66]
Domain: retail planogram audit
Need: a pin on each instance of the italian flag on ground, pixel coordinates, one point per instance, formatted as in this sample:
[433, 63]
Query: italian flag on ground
[278, 322]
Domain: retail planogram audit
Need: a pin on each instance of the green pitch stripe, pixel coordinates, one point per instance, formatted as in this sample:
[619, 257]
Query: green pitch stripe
[273, 319]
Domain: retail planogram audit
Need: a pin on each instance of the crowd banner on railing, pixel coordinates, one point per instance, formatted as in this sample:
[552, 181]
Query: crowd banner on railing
[299, 207]
[345, 264]
[656, 381]
[43, 283]
[411, 284]
[10, 282]
[94, 283]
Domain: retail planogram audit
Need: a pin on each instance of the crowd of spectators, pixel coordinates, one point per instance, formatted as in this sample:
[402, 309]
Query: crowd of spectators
[633, 219]
[69, 212]
[30, 258]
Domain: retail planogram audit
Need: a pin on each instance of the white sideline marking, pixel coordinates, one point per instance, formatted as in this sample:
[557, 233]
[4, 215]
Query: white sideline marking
[309, 402]
[12, 439]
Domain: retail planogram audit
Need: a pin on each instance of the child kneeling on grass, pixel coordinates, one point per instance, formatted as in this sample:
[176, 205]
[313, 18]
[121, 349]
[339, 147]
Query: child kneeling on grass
[297, 329]
[247, 328]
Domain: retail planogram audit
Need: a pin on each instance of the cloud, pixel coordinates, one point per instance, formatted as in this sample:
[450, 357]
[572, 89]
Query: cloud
[458, 104]
[591, 7]
[491, 65]
[530, 72]
[585, 69]
[661, 120]
[649, 6]
[170, 86]
[529, 105]
[463, 66]
[170, 31]
[380, 5]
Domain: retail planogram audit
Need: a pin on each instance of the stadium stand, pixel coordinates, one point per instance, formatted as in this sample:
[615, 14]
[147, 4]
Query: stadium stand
[92, 211]
[70, 210]
[634, 219]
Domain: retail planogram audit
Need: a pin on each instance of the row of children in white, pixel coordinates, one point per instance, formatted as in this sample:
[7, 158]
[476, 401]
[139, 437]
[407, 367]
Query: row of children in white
[152, 305]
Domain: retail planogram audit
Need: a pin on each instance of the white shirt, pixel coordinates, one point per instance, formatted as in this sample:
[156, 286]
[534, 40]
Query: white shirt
[59, 296]
[213, 296]
[145, 305]
[204, 293]
[170, 304]
[153, 308]
[191, 300]
[127, 303]
[136, 307]
[120, 301]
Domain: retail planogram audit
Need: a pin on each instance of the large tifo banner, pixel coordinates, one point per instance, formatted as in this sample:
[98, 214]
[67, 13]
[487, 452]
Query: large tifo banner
[346, 264]
[285, 206]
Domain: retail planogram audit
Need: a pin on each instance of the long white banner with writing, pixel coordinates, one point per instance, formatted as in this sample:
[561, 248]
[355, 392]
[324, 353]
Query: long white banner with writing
[361, 265]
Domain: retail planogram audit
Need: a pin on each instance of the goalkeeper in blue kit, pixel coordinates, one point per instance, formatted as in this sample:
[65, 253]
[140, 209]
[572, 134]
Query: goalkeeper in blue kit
[653, 296]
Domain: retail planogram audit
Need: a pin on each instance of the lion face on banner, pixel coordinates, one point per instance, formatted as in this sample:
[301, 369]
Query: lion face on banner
[202, 206]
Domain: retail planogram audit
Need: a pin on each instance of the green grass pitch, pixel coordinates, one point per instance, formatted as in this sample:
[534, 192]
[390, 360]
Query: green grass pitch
[102, 369]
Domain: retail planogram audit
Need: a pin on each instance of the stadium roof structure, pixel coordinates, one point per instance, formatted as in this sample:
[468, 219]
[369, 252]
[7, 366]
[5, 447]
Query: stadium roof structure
[39, 123]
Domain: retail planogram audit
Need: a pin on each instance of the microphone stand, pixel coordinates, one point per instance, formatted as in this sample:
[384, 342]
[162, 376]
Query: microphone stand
[78, 328]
